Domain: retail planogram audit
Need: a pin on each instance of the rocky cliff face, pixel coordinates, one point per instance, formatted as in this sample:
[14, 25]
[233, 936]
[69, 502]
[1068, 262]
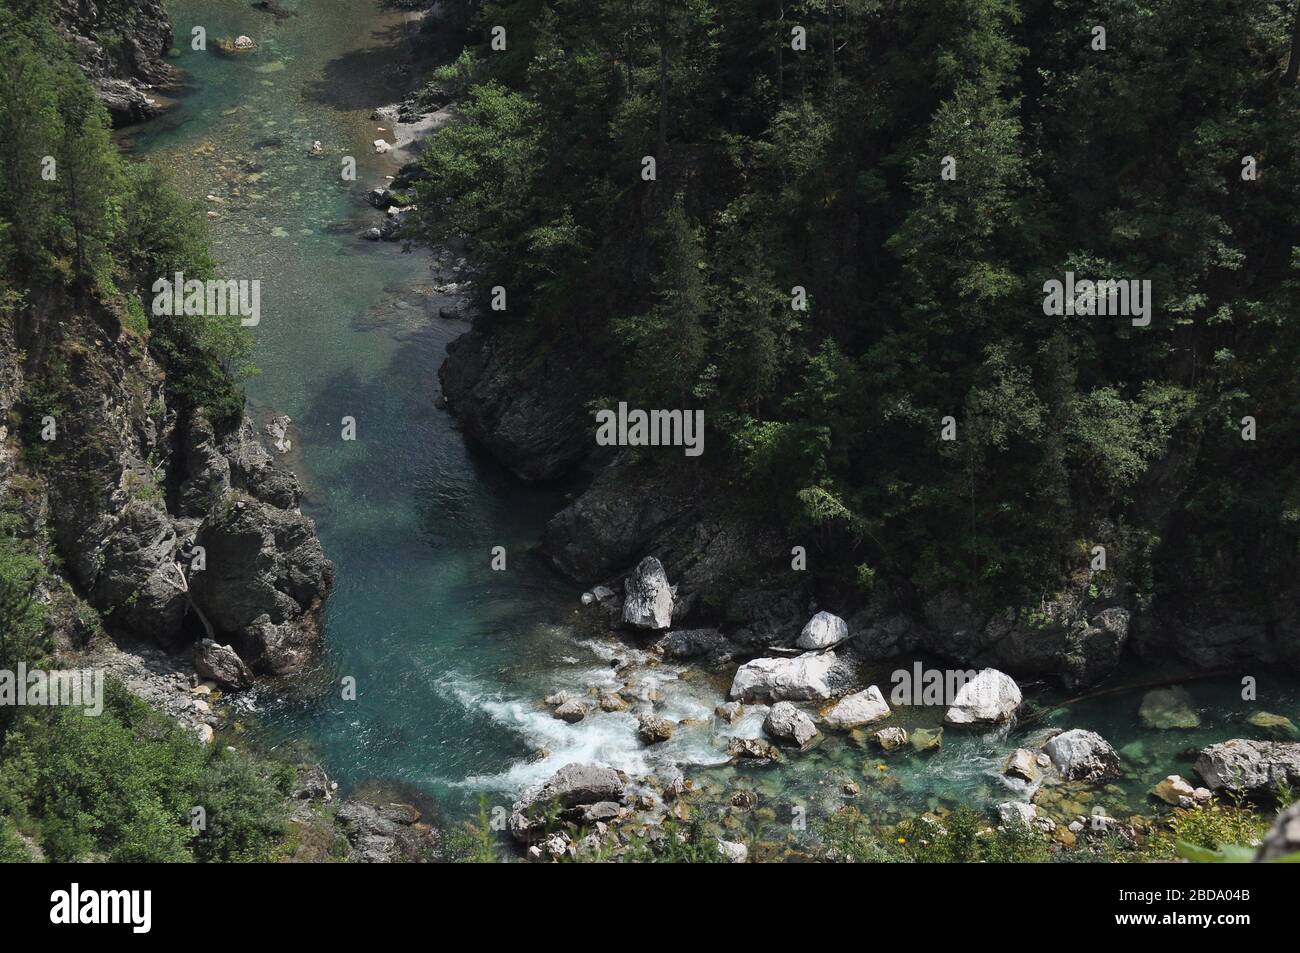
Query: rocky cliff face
[734, 571]
[167, 527]
[120, 45]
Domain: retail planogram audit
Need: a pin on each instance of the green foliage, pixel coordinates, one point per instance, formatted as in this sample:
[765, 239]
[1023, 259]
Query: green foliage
[677, 844]
[471, 842]
[75, 217]
[962, 836]
[12, 850]
[22, 635]
[1214, 831]
[122, 785]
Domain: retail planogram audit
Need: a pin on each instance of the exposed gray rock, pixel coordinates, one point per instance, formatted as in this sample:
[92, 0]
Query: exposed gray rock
[386, 833]
[1283, 839]
[811, 676]
[527, 413]
[142, 35]
[653, 730]
[733, 852]
[568, 790]
[1017, 814]
[1082, 755]
[729, 711]
[990, 698]
[265, 582]
[1176, 791]
[752, 748]
[823, 631]
[571, 711]
[862, 708]
[222, 665]
[648, 599]
[788, 723]
[709, 644]
[891, 737]
[1253, 768]
[1023, 765]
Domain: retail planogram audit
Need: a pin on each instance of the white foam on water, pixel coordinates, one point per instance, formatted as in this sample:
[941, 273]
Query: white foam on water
[608, 738]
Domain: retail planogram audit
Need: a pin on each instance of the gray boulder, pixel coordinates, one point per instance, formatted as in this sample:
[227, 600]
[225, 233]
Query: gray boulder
[221, 664]
[1283, 839]
[648, 599]
[811, 676]
[1083, 756]
[991, 697]
[567, 791]
[823, 631]
[654, 730]
[860, 709]
[755, 749]
[788, 723]
[709, 644]
[1254, 768]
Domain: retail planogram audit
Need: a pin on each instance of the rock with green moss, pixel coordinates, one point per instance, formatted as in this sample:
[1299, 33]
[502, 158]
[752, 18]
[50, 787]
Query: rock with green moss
[1276, 727]
[1167, 708]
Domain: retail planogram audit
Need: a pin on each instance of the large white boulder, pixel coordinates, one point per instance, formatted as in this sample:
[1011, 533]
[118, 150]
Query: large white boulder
[991, 697]
[648, 600]
[823, 631]
[802, 678]
[860, 709]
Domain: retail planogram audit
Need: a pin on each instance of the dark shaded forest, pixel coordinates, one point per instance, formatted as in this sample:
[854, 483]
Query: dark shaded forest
[854, 208]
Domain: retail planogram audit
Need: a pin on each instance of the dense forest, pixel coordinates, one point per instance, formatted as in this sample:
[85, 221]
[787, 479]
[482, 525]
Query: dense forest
[844, 241]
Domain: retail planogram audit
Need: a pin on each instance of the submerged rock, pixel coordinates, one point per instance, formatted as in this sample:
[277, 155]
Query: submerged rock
[823, 631]
[991, 697]
[788, 723]
[1166, 708]
[1083, 756]
[852, 711]
[806, 677]
[925, 739]
[1277, 727]
[648, 600]
[1252, 767]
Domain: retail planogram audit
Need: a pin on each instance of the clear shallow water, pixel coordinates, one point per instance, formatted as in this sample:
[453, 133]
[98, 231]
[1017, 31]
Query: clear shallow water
[451, 659]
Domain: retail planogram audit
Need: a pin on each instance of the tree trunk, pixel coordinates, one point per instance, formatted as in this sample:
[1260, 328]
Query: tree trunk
[662, 143]
[1293, 65]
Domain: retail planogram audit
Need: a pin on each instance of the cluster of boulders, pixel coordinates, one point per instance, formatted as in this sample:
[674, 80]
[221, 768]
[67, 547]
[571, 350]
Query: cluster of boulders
[396, 202]
[813, 686]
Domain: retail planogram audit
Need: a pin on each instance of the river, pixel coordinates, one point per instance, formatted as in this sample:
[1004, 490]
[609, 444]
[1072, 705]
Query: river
[450, 658]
